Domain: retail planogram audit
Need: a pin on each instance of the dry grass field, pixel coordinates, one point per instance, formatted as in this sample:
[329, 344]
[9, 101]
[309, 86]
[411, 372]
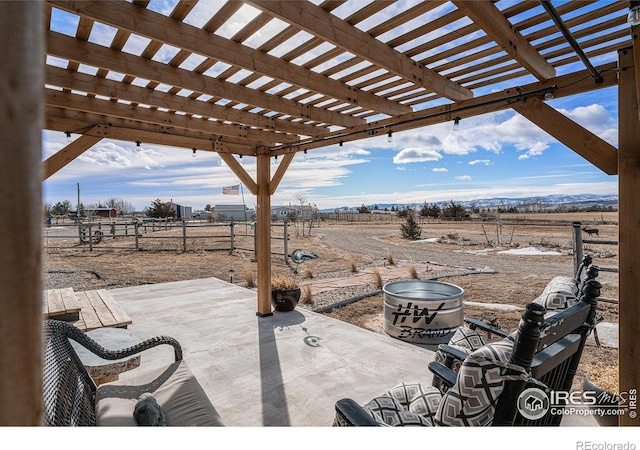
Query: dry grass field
[542, 245]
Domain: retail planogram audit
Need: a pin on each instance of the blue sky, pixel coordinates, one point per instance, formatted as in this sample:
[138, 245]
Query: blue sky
[494, 155]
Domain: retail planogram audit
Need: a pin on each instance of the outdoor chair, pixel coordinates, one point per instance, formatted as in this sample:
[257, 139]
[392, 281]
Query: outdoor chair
[484, 389]
[484, 392]
[559, 294]
[71, 397]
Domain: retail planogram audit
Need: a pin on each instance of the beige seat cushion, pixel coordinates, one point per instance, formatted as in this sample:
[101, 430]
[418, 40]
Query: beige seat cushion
[179, 394]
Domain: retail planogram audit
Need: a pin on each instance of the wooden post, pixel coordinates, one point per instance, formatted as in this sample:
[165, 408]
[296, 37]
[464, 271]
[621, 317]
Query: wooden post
[629, 225]
[578, 249]
[286, 241]
[90, 237]
[21, 122]
[184, 236]
[263, 231]
[137, 231]
[232, 237]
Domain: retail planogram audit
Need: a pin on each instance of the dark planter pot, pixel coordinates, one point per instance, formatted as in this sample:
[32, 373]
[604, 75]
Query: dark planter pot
[606, 401]
[284, 301]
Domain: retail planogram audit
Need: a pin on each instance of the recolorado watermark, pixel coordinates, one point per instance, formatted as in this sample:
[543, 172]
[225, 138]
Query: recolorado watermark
[590, 445]
[535, 403]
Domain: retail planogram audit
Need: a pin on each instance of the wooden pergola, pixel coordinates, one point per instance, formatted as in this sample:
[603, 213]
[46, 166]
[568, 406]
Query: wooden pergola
[267, 79]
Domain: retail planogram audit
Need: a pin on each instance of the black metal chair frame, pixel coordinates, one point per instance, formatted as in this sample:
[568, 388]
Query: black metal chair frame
[69, 392]
[558, 351]
[549, 349]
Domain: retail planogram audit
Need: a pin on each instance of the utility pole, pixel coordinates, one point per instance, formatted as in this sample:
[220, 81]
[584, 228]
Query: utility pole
[78, 207]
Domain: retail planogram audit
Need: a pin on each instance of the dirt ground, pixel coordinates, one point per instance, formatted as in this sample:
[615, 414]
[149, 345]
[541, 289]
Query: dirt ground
[513, 279]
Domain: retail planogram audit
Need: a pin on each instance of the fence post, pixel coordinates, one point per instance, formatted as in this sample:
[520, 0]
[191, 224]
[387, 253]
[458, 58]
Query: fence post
[184, 236]
[135, 229]
[90, 237]
[231, 225]
[286, 240]
[577, 246]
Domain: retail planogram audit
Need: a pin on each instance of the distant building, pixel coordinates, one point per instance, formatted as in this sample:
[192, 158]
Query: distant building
[182, 212]
[233, 212]
[104, 212]
[202, 215]
[283, 212]
[299, 212]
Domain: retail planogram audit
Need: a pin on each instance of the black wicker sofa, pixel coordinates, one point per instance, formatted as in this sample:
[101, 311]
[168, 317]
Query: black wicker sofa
[71, 397]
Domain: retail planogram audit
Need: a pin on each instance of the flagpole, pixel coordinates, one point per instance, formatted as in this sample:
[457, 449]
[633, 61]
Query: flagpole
[244, 207]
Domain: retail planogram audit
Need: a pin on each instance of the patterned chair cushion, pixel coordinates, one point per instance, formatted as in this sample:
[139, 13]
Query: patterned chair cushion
[467, 338]
[472, 400]
[560, 293]
[388, 411]
[407, 404]
[418, 398]
[464, 339]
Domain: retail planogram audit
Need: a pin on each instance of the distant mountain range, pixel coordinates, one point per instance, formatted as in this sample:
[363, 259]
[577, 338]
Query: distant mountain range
[539, 203]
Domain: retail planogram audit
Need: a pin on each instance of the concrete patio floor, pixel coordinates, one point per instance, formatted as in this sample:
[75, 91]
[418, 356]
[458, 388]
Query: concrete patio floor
[286, 370]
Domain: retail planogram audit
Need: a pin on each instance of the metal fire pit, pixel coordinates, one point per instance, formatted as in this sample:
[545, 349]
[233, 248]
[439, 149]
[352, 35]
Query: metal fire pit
[422, 312]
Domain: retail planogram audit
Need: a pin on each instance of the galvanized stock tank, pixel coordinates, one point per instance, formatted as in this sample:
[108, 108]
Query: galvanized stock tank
[422, 311]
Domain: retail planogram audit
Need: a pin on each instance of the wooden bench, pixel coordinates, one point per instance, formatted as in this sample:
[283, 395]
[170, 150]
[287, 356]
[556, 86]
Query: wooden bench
[61, 304]
[99, 309]
[87, 310]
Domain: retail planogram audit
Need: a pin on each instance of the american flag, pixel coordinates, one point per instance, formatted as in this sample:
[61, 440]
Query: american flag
[231, 190]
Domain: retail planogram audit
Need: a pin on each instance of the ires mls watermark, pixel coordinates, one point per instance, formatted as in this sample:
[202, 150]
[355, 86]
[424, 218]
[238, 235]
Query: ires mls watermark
[534, 403]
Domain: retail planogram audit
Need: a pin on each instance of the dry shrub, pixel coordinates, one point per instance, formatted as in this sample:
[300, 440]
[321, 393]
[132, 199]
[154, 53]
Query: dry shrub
[248, 278]
[377, 278]
[390, 259]
[353, 267]
[308, 273]
[284, 283]
[603, 375]
[413, 272]
[307, 299]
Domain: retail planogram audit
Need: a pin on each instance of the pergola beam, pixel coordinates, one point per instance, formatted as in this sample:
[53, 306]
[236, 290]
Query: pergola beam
[63, 157]
[145, 22]
[106, 58]
[263, 232]
[329, 27]
[21, 116]
[78, 122]
[562, 86]
[496, 25]
[582, 141]
[235, 166]
[628, 230]
[280, 171]
[81, 82]
[141, 114]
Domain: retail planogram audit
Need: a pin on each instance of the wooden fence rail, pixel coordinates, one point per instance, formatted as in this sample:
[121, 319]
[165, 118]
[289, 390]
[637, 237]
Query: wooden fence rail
[578, 247]
[137, 235]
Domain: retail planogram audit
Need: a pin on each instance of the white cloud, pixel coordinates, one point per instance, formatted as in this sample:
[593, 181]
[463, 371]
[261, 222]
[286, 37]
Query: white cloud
[439, 169]
[596, 119]
[494, 132]
[415, 154]
[486, 162]
[464, 178]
